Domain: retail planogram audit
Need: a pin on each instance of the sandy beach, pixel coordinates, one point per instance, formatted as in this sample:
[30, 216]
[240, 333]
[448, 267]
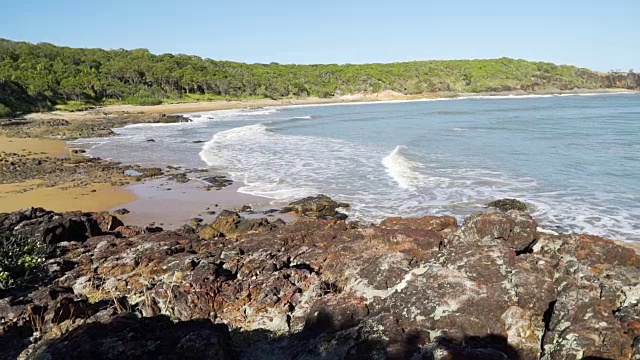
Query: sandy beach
[39, 147]
[191, 107]
[66, 196]
[147, 201]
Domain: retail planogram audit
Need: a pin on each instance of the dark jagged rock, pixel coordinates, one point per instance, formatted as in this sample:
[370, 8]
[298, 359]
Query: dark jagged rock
[508, 205]
[50, 227]
[169, 119]
[316, 206]
[422, 288]
[179, 178]
[218, 181]
[122, 211]
[129, 337]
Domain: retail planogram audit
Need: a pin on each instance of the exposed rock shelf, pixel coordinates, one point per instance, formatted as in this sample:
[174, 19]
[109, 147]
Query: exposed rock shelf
[425, 288]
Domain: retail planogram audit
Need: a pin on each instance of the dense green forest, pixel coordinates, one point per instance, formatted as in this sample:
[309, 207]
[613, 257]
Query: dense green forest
[39, 76]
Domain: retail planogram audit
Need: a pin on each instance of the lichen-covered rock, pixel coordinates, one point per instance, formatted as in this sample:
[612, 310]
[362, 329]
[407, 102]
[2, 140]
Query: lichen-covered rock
[516, 229]
[422, 288]
[441, 224]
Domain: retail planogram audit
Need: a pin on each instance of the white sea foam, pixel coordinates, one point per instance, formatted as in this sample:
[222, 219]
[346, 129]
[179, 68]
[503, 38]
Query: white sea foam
[285, 167]
[232, 115]
[402, 170]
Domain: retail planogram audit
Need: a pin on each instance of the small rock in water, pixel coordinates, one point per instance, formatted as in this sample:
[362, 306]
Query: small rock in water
[218, 181]
[320, 206]
[246, 208]
[151, 140]
[122, 211]
[508, 204]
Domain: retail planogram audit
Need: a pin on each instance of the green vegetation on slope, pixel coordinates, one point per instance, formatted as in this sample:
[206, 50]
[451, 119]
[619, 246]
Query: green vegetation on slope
[20, 257]
[39, 76]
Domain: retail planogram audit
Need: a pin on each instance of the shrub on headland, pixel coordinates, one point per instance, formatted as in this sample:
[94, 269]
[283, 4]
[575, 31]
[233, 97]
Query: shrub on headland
[20, 258]
[143, 101]
[33, 77]
[5, 111]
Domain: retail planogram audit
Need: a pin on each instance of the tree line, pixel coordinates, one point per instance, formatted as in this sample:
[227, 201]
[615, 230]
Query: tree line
[39, 76]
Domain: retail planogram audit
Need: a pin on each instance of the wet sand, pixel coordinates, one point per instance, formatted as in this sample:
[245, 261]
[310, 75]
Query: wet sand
[95, 197]
[40, 147]
[168, 204]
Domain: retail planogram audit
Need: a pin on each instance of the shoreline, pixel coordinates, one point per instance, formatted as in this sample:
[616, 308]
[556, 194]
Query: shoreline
[195, 107]
[146, 197]
[67, 190]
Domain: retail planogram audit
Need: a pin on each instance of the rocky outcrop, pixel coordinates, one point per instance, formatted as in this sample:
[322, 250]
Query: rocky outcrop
[74, 171]
[97, 124]
[317, 206]
[231, 224]
[493, 288]
[622, 80]
[508, 204]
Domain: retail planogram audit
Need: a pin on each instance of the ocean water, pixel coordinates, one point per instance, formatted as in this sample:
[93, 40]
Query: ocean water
[575, 160]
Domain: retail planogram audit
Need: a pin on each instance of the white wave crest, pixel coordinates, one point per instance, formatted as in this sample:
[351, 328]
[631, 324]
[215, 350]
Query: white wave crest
[402, 170]
[231, 115]
[235, 135]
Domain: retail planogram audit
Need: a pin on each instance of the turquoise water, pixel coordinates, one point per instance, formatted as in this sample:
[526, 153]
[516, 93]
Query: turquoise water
[574, 159]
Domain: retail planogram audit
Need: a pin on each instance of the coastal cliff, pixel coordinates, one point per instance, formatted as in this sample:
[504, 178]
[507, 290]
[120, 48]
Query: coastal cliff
[621, 80]
[319, 287]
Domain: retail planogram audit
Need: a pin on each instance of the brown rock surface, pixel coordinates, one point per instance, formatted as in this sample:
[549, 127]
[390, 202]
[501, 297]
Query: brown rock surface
[423, 288]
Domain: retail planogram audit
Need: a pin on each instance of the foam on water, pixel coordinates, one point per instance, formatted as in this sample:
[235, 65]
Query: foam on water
[232, 115]
[459, 156]
[402, 170]
[285, 167]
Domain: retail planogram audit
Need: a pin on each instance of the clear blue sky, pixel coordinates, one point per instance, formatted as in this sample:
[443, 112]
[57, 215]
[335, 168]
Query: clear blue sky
[601, 35]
